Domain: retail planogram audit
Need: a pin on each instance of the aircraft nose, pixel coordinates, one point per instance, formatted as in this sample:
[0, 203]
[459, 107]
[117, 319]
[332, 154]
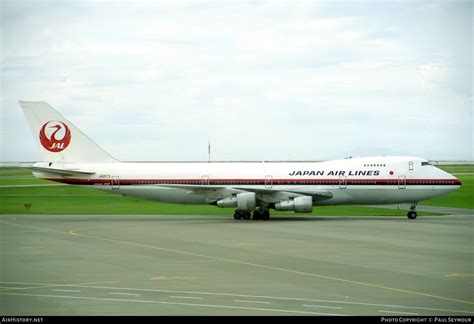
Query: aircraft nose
[454, 181]
[457, 182]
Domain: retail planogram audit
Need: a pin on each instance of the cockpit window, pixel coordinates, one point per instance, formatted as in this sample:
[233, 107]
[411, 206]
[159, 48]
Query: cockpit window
[425, 163]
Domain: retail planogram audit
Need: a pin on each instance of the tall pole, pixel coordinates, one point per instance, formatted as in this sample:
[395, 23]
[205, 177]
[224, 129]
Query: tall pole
[209, 151]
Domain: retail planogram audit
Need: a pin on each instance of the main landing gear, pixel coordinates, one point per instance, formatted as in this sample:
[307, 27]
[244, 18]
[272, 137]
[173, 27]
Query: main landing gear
[412, 213]
[239, 214]
[255, 215]
[261, 214]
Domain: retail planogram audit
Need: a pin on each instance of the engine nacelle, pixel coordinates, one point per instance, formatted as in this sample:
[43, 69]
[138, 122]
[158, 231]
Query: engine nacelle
[246, 201]
[243, 201]
[302, 204]
[227, 202]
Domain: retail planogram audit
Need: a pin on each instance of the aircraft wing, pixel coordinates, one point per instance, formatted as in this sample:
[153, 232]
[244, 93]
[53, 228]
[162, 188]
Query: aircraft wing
[264, 194]
[316, 194]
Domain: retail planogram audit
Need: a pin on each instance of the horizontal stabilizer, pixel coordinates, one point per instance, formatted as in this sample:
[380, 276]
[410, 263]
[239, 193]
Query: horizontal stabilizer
[64, 172]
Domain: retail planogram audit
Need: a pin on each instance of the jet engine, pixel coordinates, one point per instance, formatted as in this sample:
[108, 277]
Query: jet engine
[302, 204]
[243, 201]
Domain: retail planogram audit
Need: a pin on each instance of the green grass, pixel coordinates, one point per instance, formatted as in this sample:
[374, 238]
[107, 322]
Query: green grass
[77, 200]
[23, 181]
[61, 191]
[457, 168]
[8, 171]
[87, 203]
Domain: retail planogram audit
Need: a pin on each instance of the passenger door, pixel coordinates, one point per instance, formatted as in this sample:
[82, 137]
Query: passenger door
[115, 182]
[342, 182]
[268, 181]
[402, 182]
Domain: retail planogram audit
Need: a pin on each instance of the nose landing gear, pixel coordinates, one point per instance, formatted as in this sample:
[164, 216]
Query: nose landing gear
[412, 213]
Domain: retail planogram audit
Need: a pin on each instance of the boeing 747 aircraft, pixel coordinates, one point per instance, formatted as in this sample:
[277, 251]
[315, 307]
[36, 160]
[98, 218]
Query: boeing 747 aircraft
[69, 156]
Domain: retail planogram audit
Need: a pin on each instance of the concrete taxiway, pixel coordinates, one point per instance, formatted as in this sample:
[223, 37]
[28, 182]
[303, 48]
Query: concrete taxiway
[432, 209]
[214, 265]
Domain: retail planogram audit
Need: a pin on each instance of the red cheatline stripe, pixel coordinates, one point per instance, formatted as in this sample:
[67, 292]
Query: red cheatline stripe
[263, 181]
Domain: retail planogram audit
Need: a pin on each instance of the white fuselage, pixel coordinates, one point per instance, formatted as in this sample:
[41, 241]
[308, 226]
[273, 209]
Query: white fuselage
[370, 180]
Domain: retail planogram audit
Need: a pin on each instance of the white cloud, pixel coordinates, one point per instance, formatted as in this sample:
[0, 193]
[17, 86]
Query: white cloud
[262, 80]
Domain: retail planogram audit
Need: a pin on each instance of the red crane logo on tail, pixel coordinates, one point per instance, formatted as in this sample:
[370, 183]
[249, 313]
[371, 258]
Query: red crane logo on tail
[55, 136]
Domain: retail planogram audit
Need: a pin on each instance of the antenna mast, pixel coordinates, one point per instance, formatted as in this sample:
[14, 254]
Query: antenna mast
[209, 151]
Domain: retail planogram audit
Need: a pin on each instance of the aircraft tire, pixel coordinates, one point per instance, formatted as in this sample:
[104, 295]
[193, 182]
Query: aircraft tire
[412, 214]
[266, 215]
[257, 215]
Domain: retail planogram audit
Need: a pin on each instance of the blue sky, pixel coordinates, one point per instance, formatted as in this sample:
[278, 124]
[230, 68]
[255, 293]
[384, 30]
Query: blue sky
[263, 80]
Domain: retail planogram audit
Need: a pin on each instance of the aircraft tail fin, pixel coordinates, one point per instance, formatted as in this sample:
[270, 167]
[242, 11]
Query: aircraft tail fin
[59, 140]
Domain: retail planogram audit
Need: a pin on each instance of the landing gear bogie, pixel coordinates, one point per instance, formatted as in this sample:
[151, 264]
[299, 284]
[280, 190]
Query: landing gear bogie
[257, 214]
[261, 214]
[242, 214]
